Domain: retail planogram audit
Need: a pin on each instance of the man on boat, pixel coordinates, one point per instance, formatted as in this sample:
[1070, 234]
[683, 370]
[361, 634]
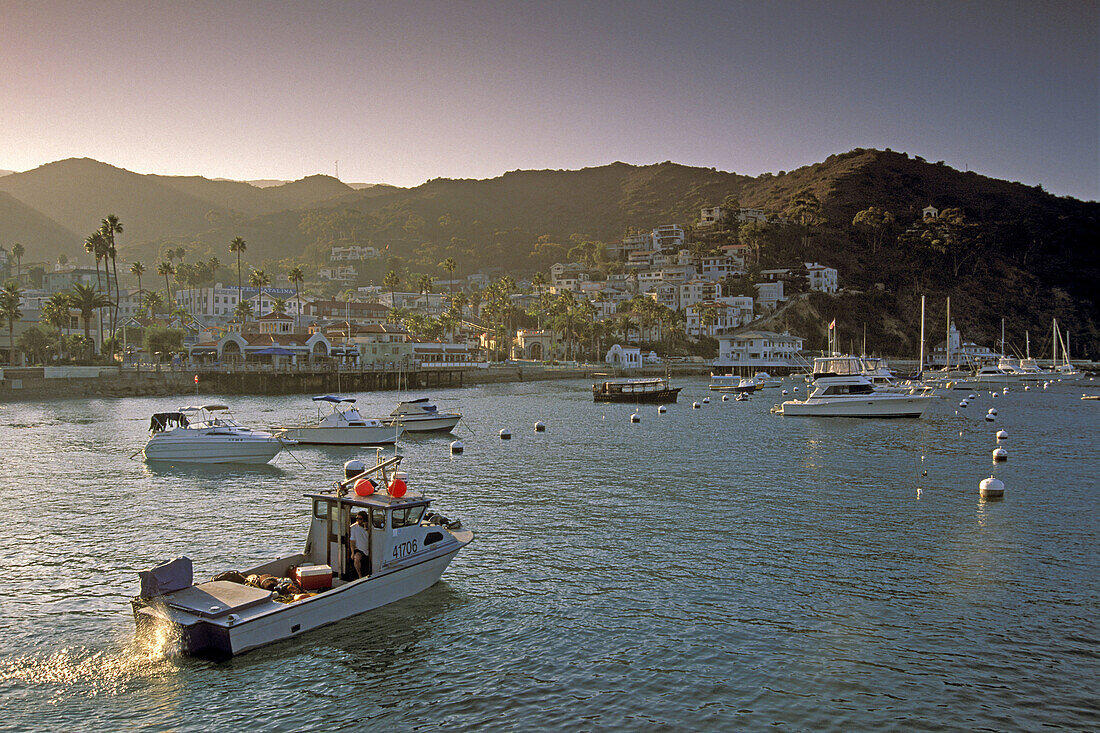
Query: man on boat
[360, 544]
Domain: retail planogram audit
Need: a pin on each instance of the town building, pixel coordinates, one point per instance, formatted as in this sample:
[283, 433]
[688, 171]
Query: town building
[624, 357]
[752, 351]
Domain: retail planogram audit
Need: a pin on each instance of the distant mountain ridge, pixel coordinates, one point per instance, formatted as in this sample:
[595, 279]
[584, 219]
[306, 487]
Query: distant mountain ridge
[1038, 252]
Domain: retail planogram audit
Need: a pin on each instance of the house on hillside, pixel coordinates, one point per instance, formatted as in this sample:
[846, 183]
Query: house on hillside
[930, 212]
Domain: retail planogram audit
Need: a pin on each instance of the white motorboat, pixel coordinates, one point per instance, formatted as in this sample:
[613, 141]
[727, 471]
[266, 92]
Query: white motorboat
[841, 390]
[766, 381]
[1000, 374]
[207, 434]
[408, 549]
[343, 425]
[421, 416]
[733, 383]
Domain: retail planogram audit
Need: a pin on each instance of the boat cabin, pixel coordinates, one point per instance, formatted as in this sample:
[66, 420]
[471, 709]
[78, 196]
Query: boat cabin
[343, 413]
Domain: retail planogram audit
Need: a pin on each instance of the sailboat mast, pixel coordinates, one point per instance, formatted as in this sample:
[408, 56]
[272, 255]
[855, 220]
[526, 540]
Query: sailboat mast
[920, 367]
[1054, 344]
[947, 359]
[1002, 338]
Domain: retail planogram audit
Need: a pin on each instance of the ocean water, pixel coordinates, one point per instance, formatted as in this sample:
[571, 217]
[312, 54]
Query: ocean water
[719, 568]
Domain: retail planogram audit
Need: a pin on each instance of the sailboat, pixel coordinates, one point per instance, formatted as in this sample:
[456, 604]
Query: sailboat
[1065, 370]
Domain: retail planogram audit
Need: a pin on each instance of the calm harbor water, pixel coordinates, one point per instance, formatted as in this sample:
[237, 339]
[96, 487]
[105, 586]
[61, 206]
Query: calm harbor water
[712, 569]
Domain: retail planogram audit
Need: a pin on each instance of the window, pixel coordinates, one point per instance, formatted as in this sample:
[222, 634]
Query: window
[378, 518]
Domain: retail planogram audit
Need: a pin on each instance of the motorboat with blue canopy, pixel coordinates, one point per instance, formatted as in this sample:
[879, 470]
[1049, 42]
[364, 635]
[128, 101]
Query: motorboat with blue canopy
[342, 425]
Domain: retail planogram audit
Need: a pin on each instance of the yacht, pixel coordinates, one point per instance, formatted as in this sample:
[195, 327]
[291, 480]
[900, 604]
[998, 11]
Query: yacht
[343, 425]
[421, 416]
[409, 547]
[841, 390]
[208, 434]
[767, 381]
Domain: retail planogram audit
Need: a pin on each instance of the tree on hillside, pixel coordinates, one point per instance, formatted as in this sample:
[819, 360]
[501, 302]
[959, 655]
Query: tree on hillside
[237, 246]
[10, 312]
[62, 260]
[754, 235]
[17, 252]
[950, 235]
[296, 276]
[874, 222]
[450, 266]
[804, 210]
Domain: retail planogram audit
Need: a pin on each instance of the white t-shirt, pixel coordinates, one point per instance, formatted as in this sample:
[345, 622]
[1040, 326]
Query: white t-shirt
[360, 537]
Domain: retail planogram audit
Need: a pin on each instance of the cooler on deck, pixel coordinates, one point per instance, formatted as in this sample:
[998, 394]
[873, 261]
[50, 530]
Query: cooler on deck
[313, 577]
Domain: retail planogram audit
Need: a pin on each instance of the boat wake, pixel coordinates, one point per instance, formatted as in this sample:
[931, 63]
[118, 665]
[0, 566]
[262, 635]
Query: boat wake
[149, 656]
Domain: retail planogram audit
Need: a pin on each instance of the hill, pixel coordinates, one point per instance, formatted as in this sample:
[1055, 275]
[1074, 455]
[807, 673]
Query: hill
[37, 233]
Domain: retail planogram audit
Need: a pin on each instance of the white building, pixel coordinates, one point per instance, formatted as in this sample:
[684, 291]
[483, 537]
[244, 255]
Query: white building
[729, 313]
[710, 216]
[757, 215]
[822, 279]
[338, 273]
[752, 351]
[769, 295]
[353, 252]
[624, 357]
[218, 304]
[668, 237]
[718, 267]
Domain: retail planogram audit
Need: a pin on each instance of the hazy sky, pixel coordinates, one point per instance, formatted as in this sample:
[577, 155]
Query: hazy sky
[400, 92]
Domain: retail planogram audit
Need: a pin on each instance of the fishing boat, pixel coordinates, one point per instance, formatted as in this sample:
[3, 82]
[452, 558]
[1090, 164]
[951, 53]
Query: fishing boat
[208, 434]
[343, 425]
[421, 416]
[841, 390]
[654, 389]
[409, 547]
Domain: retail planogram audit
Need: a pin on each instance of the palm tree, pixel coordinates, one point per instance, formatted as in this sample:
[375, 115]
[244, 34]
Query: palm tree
[258, 279]
[62, 260]
[391, 281]
[238, 246]
[153, 302]
[55, 312]
[538, 282]
[296, 276]
[278, 306]
[212, 265]
[110, 226]
[17, 252]
[243, 311]
[10, 312]
[137, 268]
[87, 300]
[450, 266]
[166, 269]
[95, 244]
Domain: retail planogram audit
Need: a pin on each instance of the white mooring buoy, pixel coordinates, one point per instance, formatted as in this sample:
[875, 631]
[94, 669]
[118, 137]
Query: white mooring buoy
[661, 409]
[972, 396]
[505, 434]
[964, 403]
[991, 488]
[796, 389]
[992, 410]
[725, 398]
[695, 405]
[1027, 388]
[1002, 435]
[1004, 391]
[990, 417]
[784, 393]
[540, 427]
[706, 400]
[635, 417]
[456, 446]
[999, 454]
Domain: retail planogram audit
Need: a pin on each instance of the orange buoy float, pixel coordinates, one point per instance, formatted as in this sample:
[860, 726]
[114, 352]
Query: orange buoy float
[397, 488]
[364, 487]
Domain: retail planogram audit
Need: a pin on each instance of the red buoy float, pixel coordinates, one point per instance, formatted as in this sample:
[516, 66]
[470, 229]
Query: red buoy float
[364, 487]
[398, 488]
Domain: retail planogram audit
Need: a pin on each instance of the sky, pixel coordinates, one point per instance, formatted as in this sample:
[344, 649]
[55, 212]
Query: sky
[403, 92]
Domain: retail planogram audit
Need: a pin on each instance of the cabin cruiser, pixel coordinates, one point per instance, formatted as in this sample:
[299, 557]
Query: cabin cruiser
[651, 390]
[207, 434]
[1000, 375]
[343, 425]
[409, 547]
[421, 416]
[841, 390]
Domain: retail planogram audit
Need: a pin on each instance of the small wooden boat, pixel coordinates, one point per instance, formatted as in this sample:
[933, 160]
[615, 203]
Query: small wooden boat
[656, 389]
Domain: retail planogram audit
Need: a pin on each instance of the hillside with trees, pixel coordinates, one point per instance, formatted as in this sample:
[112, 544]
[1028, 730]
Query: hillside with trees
[999, 249]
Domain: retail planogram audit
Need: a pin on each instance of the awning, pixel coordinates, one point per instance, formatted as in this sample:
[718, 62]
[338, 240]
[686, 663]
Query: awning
[274, 351]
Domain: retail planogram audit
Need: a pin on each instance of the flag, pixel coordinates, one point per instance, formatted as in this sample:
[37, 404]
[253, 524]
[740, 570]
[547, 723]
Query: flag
[832, 325]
